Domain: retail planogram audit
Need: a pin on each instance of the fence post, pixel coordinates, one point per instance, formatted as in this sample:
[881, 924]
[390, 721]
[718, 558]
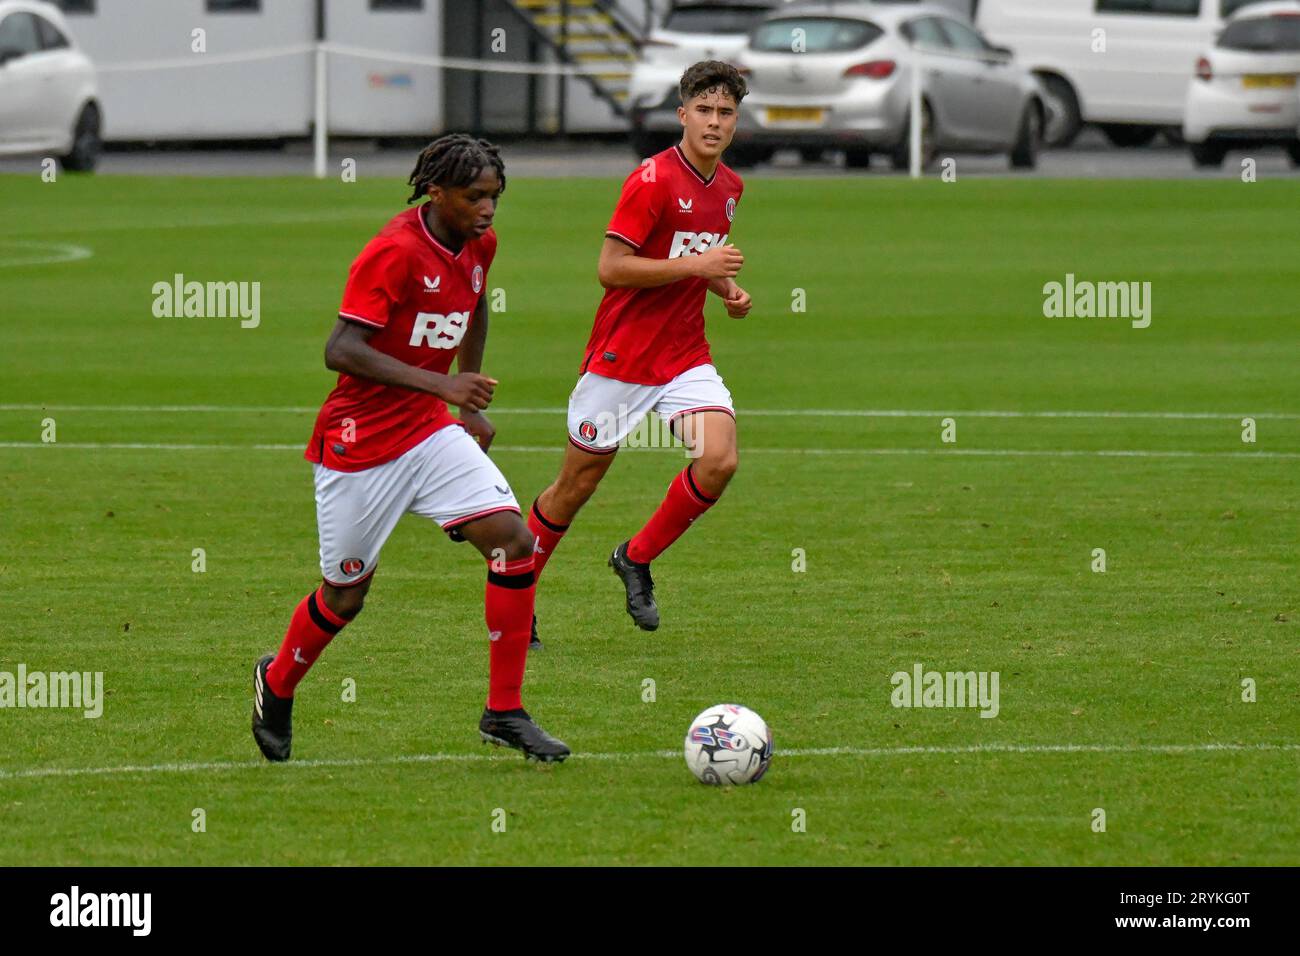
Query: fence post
[564, 59]
[914, 112]
[321, 139]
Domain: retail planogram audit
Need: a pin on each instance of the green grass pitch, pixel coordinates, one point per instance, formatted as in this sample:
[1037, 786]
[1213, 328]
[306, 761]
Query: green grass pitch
[1120, 691]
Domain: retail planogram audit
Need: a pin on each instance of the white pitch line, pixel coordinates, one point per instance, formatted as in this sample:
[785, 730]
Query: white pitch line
[973, 749]
[277, 219]
[222, 409]
[1023, 452]
[58, 252]
[152, 446]
[746, 412]
[556, 449]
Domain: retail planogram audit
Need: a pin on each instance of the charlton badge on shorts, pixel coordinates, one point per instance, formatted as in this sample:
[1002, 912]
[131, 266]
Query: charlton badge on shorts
[731, 208]
[477, 279]
[351, 566]
[587, 431]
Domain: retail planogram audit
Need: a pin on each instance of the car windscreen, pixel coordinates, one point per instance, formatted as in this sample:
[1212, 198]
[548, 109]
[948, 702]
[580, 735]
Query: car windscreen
[814, 35]
[728, 19]
[1263, 34]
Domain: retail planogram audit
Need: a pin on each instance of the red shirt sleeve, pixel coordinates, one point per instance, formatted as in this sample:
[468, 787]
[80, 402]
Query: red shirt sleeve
[374, 284]
[638, 208]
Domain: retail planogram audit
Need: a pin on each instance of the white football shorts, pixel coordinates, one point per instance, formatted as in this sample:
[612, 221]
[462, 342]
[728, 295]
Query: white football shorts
[603, 411]
[447, 477]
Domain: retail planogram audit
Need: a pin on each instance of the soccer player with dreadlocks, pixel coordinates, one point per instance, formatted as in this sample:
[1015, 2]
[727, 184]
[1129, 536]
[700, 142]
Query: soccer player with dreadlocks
[385, 444]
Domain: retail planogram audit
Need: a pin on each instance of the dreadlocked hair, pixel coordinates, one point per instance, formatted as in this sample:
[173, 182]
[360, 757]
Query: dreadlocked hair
[454, 161]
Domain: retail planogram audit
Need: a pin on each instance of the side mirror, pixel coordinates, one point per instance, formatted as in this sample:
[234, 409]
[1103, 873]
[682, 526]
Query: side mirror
[1002, 54]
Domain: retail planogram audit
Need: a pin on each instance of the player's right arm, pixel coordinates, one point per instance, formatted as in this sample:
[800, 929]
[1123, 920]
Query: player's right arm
[349, 351]
[621, 268]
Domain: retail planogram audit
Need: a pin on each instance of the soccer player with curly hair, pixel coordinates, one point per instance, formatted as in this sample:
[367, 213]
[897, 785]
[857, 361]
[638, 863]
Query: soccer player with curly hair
[666, 247]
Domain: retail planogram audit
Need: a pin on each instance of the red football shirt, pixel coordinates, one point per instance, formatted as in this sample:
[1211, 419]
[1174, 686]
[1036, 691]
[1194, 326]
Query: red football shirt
[421, 297]
[667, 210]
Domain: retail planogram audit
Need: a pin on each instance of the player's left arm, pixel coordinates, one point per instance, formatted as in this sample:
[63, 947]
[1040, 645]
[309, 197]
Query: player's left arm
[733, 296]
[470, 359]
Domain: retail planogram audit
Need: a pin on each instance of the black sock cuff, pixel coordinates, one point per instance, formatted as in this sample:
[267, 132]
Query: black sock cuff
[690, 479]
[547, 523]
[516, 582]
[318, 616]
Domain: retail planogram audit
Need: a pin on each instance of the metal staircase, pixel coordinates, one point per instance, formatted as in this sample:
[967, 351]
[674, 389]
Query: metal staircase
[594, 34]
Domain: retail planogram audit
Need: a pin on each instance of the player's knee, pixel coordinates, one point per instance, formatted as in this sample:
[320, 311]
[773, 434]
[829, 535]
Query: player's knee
[518, 544]
[713, 472]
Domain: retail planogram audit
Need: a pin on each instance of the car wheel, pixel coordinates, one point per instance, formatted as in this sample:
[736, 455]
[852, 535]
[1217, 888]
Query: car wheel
[86, 144]
[857, 158]
[1024, 155]
[1293, 150]
[1064, 118]
[1208, 155]
[1127, 136]
[900, 156]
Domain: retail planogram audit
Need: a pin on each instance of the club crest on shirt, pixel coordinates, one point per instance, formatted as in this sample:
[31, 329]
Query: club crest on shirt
[351, 566]
[731, 208]
[477, 279]
[587, 431]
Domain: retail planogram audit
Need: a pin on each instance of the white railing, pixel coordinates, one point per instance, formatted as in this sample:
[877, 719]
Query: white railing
[321, 52]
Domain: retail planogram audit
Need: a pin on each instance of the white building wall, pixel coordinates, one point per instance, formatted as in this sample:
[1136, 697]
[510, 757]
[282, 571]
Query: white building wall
[197, 100]
[196, 96]
[378, 96]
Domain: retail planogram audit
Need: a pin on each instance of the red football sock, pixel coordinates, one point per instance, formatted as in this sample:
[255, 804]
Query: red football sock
[682, 505]
[508, 610]
[547, 534]
[312, 627]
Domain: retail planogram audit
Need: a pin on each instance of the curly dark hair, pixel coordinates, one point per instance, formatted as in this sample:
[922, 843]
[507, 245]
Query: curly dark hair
[713, 74]
[454, 161]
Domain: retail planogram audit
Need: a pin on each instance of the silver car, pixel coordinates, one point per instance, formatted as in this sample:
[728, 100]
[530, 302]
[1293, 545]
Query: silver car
[839, 75]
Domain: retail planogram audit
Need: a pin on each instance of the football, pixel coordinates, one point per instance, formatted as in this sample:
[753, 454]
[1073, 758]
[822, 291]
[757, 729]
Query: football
[728, 744]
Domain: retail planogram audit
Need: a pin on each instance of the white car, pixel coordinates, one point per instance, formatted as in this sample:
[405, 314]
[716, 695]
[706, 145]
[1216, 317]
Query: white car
[1245, 93]
[49, 103]
[690, 32]
[1122, 64]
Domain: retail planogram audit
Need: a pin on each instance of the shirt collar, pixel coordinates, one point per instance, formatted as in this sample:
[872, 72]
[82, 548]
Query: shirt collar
[428, 234]
[687, 163]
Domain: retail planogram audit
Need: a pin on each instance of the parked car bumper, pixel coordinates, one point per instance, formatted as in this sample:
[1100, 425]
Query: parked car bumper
[874, 116]
[1266, 116]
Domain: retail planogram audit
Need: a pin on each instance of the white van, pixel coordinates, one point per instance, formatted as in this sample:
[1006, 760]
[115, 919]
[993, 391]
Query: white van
[1122, 64]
